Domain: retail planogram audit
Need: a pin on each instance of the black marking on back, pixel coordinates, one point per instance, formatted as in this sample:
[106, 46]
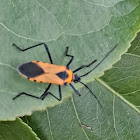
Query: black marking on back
[63, 75]
[30, 70]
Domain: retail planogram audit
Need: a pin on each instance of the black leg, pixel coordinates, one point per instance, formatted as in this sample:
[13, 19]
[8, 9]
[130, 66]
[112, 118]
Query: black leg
[42, 97]
[84, 66]
[36, 46]
[75, 89]
[60, 95]
[72, 57]
[23, 93]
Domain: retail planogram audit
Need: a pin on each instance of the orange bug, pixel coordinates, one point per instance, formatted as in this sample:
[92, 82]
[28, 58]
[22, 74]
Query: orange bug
[39, 71]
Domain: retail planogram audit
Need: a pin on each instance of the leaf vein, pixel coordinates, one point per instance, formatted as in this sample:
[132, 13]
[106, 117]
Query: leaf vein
[78, 117]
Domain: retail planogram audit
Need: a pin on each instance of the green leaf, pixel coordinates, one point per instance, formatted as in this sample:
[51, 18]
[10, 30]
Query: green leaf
[91, 29]
[16, 130]
[63, 121]
[124, 77]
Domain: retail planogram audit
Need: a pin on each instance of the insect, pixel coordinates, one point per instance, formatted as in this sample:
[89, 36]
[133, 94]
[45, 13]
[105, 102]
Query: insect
[39, 71]
[86, 126]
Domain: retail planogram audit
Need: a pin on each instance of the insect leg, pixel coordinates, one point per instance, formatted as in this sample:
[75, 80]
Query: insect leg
[84, 66]
[23, 93]
[41, 97]
[60, 95]
[46, 47]
[72, 57]
[75, 89]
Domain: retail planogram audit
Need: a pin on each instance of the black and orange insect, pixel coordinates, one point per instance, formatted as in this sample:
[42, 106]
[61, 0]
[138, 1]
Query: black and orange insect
[39, 71]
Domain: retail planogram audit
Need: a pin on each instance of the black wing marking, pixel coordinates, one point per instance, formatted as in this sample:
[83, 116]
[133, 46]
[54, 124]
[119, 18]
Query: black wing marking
[63, 75]
[30, 70]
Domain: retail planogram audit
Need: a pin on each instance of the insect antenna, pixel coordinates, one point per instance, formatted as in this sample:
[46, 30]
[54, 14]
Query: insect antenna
[99, 62]
[96, 100]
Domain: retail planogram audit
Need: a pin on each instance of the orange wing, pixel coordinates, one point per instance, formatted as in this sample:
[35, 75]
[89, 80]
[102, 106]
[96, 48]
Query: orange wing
[39, 71]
